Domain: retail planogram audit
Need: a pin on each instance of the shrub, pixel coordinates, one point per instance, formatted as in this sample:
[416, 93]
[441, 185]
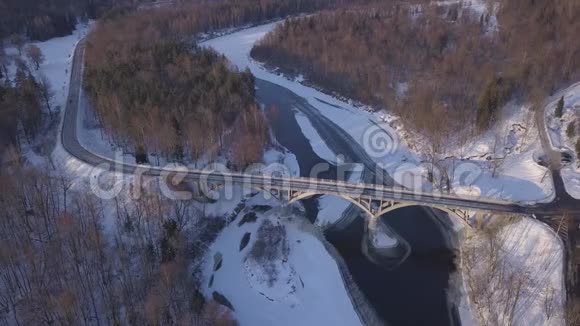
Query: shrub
[271, 243]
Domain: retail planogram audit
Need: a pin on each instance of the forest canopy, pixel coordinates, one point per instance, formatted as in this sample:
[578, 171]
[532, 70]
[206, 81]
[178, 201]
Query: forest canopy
[163, 96]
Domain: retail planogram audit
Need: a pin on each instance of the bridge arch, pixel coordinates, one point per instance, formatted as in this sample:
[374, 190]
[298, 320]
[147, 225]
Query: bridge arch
[374, 208]
[462, 215]
[365, 205]
[383, 206]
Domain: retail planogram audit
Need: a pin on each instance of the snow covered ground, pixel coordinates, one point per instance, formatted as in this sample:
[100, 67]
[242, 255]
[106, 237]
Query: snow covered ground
[559, 138]
[282, 160]
[308, 289]
[517, 178]
[330, 210]
[504, 160]
[523, 267]
[57, 61]
[56, 67]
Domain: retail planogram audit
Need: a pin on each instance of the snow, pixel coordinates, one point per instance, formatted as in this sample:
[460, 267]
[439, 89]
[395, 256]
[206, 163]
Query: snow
[559, 139]
[401, 153]
[571, 179]
[330, 210]
[284, 160]
[308, 291]
[58, 60]
[318, 145]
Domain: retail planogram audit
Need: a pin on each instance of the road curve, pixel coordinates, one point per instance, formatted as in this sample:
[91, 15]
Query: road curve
[563, 200]
[71, 144]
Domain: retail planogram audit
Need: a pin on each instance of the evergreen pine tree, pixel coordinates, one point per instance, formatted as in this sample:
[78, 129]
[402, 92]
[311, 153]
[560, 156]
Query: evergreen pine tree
[140, 155]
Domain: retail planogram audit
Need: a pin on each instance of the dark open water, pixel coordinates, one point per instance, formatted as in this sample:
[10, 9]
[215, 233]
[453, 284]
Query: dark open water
[414, 293]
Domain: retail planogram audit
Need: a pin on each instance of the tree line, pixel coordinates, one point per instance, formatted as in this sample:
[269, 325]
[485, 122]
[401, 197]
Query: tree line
[433, 61]
[418, 64]
[25, 101]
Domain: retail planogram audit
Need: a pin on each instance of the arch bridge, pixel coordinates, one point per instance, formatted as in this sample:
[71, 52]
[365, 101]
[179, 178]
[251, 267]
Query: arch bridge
[377, 200]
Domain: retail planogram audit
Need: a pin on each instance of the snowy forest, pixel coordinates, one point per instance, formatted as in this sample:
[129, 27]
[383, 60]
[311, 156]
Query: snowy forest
[144, 73]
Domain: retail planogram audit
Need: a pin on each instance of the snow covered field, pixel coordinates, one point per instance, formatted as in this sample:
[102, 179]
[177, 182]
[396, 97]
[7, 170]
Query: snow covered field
[517, 177]
[308, 289]
[559, 138]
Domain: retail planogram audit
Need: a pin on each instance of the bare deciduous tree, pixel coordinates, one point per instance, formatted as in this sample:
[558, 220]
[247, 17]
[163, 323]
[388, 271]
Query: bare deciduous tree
[46, 92]
[35, 55]
[501, 285]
